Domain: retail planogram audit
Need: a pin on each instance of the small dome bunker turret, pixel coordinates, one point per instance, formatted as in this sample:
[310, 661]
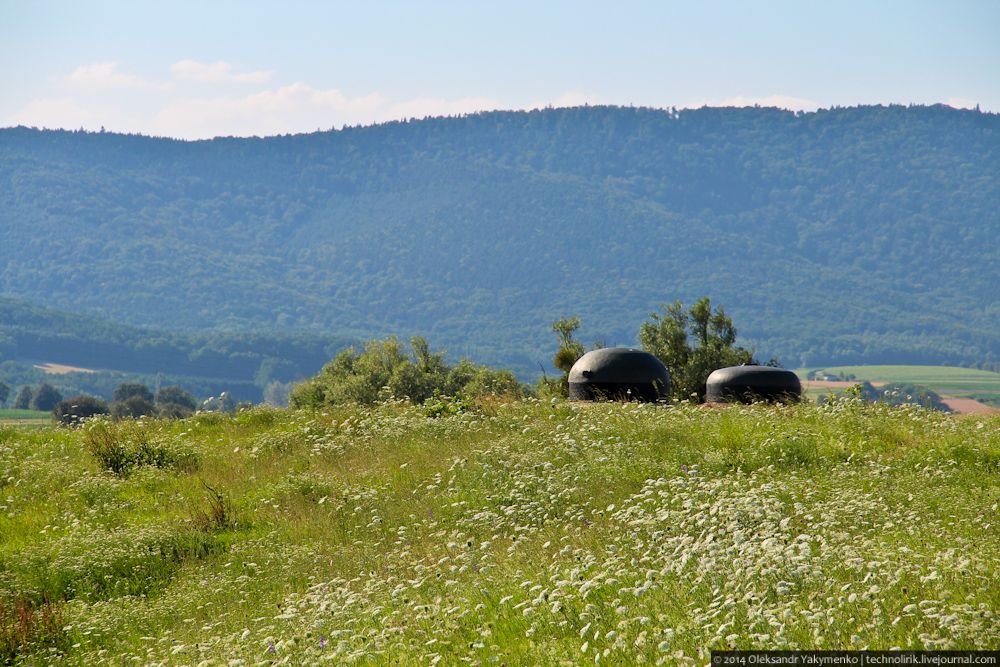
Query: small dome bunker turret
[619, 374]
[749, 383]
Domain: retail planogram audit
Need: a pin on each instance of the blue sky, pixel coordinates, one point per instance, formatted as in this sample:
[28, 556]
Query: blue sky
[201, 69]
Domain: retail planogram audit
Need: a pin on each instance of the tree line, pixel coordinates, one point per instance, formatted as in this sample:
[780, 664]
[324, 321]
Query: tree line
[691, 342]
[860, 235]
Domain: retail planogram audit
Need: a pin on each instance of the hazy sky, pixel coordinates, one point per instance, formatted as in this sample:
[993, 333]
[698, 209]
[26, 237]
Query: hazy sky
[207, 68]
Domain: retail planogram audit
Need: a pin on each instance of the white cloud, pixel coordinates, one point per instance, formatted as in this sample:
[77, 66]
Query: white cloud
[106, 75]
[54, 113]
[217, 72]
[102, 94]
[293, 108]
[298, 107]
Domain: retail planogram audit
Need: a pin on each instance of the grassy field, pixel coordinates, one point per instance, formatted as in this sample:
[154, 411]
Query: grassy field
[947, 380]
[520, 534]
[9, 415]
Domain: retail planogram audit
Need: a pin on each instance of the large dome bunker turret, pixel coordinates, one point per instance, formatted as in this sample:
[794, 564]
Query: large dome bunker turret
[749, 383]
[619, 374]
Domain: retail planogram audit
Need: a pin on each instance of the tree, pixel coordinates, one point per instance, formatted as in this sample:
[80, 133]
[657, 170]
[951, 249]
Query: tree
[276, 393]
[569, 352]
[274, 370]
[126, 390]
[132, 407]
[78, 408]
[174, 395]
[385, 370]
[4, 393]
[692, 344]
[23, 399]
[45, 397]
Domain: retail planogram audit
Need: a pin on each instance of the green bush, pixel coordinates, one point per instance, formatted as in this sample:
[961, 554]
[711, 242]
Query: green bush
[384, 370]
[121, 447]
[78, 408]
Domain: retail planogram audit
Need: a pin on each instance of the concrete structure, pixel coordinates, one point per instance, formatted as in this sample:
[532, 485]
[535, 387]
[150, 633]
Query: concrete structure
[619, 374]
[745, 384]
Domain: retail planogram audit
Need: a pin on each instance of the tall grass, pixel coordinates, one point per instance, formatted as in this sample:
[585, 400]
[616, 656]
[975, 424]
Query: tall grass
[519, 533]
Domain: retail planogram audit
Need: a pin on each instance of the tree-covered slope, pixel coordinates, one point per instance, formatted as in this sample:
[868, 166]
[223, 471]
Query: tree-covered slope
[863, 234]
[242, 363]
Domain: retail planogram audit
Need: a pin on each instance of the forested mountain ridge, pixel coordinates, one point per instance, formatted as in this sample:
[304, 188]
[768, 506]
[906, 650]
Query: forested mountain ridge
[863, 234]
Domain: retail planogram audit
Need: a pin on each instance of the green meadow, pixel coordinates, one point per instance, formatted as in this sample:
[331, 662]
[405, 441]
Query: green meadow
[523, 533]
[13, 415]
[983, 386]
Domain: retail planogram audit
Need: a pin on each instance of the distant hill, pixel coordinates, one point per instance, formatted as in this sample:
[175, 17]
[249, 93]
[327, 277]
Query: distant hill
[205, 363]
[867, 234]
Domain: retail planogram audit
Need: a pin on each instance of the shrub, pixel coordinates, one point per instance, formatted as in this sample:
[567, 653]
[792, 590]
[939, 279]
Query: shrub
[78, 408]
[219, 514]
[126, 445]
[173, 411]
[384, 370]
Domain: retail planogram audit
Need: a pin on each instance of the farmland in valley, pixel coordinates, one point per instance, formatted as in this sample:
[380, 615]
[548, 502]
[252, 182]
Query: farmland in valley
[527, 532]
[950, 381]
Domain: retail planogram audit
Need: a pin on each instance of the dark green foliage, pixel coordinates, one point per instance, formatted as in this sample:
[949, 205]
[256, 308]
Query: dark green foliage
[44, 397]
[569, 352]
[4, 393]
[124, 446]
[127, 390]
[23, 399]
[74, 410]
[175, 396]
[897, 393]
[132, 407]
[173, 411]
[175, 403]
[866, 234]
[692, 344]
[385, 370]
[205, 363]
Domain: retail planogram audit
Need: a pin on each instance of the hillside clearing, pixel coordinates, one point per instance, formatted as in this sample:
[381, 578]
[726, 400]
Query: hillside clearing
[529, 533]
[62, 369]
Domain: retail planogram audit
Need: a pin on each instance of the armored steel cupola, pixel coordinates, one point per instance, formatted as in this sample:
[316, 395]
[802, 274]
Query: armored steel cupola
[745, 384]
[617, 374]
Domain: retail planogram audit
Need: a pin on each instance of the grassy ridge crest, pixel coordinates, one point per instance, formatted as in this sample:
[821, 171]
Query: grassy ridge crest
[530, 532]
